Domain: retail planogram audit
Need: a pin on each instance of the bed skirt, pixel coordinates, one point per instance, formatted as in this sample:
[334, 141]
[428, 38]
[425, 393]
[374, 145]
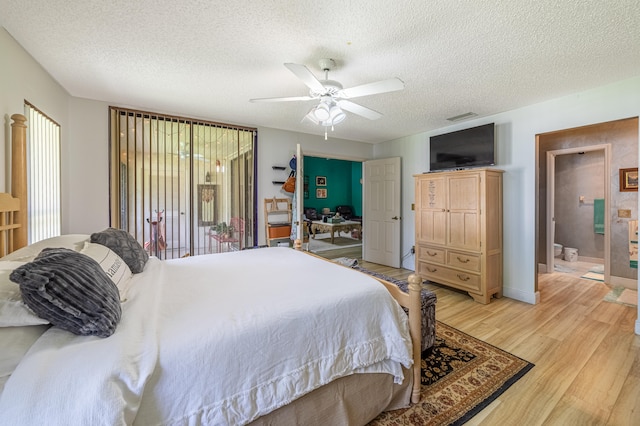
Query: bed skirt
[352, 400]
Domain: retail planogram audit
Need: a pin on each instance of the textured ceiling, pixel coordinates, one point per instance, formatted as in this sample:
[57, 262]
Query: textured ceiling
[206, 59]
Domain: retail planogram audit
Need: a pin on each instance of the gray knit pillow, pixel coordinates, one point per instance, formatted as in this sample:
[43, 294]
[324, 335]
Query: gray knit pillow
[71, 291]
[124, 245]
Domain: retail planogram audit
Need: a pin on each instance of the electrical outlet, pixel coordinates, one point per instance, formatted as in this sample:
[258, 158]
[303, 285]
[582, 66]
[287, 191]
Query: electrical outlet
[413, 249]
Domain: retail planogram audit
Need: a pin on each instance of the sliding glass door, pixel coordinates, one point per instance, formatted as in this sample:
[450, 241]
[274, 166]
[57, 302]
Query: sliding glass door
[176, 183]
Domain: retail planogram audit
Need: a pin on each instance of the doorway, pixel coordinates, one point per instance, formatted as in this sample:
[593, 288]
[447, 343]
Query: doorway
[332, 185]
[578, 194]
[618, 142]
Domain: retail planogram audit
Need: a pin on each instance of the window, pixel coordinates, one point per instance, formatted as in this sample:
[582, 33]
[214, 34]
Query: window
[174, 179]
[43, 169]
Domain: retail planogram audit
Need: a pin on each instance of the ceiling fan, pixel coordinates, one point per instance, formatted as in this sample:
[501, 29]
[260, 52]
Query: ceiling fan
[333, 97]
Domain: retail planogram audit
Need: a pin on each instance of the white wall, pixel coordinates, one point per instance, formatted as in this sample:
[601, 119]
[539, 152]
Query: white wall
[21, 77]
[85, 182]
[516, 152]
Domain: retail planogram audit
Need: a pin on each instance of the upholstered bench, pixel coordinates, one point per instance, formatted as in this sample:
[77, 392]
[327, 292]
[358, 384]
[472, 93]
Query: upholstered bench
[428, 307]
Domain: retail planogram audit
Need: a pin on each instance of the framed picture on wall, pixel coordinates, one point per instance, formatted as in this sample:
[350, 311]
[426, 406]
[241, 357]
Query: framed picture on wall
[629, 180]
[321, 181]
[321, 193]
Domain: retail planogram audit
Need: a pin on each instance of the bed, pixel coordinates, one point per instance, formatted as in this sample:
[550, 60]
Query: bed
[292, 339]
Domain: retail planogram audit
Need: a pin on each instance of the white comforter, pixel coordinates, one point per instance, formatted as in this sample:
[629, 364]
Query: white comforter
[212, 340]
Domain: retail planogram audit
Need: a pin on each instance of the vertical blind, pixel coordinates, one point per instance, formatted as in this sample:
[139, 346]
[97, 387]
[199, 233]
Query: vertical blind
[173, 180]
[43, 169]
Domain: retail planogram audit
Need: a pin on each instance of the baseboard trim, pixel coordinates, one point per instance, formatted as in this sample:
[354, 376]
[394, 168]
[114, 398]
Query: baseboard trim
[629, 283]
[590, 259]
[512, 293]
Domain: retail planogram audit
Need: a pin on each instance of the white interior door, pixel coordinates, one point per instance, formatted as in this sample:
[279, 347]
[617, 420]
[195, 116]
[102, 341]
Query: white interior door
[381, 212]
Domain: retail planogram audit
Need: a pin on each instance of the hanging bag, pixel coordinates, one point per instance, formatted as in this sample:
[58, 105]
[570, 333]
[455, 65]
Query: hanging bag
[290, 183]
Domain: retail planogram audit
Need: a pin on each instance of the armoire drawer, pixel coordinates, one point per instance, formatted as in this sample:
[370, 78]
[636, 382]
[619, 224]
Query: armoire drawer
[430, 254]
[444, 275]
[470, 262]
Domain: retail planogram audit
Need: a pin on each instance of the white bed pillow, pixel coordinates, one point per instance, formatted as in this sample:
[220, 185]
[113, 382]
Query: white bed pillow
[28, 253]
[124, 245]
[15, 342]
[114, 266]
[13, 311]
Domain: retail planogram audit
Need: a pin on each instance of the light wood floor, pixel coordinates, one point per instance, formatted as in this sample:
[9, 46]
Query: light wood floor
[586, 355]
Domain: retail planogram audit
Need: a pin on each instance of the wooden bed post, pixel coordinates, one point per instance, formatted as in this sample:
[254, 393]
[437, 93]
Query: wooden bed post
[19, 176]
[415, 325]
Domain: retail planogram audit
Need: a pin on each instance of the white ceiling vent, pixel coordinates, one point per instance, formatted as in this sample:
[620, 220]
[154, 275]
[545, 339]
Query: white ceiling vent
[462, 116]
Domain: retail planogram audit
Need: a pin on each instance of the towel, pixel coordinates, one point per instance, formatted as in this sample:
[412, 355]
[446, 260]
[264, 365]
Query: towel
[633, 244]
[598, 215]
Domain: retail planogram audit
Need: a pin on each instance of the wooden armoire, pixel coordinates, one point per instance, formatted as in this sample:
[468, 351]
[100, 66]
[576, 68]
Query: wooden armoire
[459, 230]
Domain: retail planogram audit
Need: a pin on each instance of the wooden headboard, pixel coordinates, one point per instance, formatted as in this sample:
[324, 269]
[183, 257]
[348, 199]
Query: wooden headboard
[9, 207]
[13, 207]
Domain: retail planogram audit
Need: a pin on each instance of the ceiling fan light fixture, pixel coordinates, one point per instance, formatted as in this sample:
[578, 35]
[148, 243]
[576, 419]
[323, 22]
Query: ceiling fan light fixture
[333, 96]
[327, 114]
[336, 115]
[322, 112]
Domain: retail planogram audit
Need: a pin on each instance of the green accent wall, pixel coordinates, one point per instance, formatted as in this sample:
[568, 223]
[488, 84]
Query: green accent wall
[342, 183]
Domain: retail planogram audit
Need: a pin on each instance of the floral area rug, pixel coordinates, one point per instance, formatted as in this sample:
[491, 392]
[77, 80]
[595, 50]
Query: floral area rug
[461, 375]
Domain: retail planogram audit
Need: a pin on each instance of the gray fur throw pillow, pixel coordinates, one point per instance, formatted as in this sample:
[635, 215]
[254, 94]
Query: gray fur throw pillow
[124, 245]
[71, 291]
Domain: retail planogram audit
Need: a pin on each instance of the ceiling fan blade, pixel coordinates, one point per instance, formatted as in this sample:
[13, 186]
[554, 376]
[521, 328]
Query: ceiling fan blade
[310, 117]
[359, 110]
[287, 99]
[374, 88]
[306, 77]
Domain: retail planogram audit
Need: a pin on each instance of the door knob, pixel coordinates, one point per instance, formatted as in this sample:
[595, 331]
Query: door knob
[395, 218]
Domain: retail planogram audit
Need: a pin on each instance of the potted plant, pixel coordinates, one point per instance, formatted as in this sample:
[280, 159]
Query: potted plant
[221, 228]
[224, 230]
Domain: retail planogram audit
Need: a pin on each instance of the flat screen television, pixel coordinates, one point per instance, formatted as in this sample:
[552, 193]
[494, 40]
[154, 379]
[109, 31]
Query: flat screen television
[473, 147]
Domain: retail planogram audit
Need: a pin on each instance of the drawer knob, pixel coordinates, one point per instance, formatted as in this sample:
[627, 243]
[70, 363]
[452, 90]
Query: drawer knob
[463, 277]
[461, 260]
[431, 269]
[431, 254]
